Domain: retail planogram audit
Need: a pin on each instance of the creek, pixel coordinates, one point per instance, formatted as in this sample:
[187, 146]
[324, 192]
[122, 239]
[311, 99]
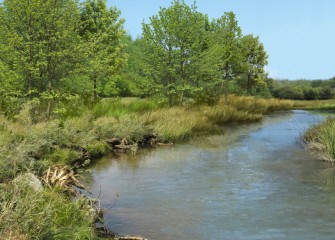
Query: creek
[253, 181]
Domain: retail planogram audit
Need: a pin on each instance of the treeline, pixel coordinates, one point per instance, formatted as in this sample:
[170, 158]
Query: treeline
[304, 89]
[58, 50]
[58, 53]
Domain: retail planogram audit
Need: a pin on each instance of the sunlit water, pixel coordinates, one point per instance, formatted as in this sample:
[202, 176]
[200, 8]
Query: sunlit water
[251, 182]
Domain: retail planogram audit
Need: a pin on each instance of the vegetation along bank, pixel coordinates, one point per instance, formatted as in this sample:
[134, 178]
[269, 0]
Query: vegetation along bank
[320, 140]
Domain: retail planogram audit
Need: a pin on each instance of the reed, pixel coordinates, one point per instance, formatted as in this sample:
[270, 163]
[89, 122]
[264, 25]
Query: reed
[320, 139]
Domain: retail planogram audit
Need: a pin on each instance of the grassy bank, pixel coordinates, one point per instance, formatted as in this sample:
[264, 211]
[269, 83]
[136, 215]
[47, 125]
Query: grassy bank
[30, 145]
[314, 104]
[181, 123]
[320, 139]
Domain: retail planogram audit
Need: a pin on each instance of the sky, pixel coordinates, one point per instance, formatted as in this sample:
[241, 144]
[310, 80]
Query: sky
[298, 35]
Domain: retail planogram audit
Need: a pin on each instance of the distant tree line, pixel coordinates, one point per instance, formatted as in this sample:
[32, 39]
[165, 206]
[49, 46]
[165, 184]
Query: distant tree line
[304, 89]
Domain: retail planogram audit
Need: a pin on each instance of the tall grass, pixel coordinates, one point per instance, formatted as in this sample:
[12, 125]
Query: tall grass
[181, 123]
[29, 214]
[116, 107]
[258, 106]
[315, 104]
[320, 139]
[177, 123]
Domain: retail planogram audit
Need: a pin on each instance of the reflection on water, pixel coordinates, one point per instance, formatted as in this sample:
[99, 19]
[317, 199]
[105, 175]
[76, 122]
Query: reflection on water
[327, 179]
[252, 182]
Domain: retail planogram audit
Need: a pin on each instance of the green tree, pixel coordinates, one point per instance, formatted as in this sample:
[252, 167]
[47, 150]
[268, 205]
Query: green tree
[226, 51]
[38, 41]
[102, 31]
[172, 44]
[132, 79]
[255, 59]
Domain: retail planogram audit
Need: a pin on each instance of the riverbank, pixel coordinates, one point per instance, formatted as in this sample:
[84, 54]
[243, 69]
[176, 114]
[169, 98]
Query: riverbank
[320, 140]
[69, 144]
[314, 104]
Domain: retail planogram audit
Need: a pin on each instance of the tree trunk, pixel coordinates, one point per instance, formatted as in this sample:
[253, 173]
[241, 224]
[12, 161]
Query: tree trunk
[49, 101]
[95, 88]
[182, 98]
[249, 84]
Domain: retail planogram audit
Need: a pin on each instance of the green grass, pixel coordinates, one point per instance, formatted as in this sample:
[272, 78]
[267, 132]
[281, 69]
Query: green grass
[320, 140]
[63, 156]
[115, 107]
[47, 214]
[315, 104]
[259, 106]
[181, 123]
[98, 149]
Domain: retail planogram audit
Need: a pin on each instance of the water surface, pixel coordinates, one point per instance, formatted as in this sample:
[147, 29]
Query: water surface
[251, 182]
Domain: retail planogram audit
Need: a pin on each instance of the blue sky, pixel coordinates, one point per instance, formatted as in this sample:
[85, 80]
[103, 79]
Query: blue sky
[299, 35]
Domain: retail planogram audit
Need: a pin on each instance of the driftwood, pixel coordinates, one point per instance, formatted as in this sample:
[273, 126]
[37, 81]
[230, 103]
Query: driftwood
[113, 142]
[63, 178]
[126, 145]
[106, 233]
[122, 145]
[168, 144]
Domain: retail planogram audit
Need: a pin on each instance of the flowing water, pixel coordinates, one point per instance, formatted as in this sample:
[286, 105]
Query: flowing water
[252, 182]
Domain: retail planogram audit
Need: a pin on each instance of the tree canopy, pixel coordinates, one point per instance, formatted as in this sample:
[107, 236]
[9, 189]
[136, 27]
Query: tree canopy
[51, 50]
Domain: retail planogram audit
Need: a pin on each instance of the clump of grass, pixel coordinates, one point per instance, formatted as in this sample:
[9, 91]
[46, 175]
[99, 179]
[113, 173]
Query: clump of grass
[79, 130]
[130, 128]
[177, 123]
[98, 149]
[258, 106]
[222, 114]
[46, 214]
[116, 107]
[103, 127]
[320, 140]
[63, 156]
